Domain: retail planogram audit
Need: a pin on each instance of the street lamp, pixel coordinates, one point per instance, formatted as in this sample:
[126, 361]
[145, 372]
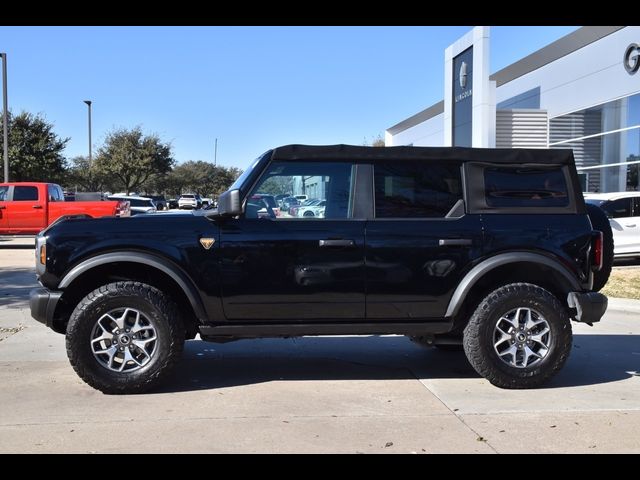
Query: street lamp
[88, 102]
[5, 118]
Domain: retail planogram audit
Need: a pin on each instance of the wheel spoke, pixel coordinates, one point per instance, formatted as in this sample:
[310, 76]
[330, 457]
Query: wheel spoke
[527, 354]
[537, 337]
[512, 350]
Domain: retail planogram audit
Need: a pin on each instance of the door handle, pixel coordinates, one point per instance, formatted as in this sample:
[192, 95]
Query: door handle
[37, 206]
[631, 226]
[337, 243]
[451, 242]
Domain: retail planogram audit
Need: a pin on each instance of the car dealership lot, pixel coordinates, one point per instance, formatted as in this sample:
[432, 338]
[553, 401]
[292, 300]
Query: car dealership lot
[313, 394]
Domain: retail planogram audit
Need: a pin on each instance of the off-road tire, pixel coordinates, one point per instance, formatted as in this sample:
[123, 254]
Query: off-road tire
[155, 305]
[478, 336]
[599, 221]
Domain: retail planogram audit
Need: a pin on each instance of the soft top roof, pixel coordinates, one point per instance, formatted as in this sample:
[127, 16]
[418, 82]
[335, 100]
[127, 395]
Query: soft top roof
[492, 155]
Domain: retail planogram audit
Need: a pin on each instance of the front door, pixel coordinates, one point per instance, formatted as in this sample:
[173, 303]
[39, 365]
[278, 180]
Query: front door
[4, 213]
[279, 264]
[26, 209]
[419, 241]
[624, 225]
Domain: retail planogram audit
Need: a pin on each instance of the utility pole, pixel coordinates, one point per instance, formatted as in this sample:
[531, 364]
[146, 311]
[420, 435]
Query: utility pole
[5, 118]
[215, 154]
[88, 102]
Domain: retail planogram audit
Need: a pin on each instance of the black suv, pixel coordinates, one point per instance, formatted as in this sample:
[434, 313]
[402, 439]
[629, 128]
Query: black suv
[491, 251]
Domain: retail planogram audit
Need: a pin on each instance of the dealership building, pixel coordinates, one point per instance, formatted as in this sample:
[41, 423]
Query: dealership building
[580, 92]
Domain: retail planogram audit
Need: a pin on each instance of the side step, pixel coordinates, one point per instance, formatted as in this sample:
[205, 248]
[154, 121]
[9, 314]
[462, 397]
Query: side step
[299, 329]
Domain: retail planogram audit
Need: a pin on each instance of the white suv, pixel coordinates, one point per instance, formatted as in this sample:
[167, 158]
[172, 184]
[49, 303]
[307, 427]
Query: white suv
[623, 210]
[189, 200]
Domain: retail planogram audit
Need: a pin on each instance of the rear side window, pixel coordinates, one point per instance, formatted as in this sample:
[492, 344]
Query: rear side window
[618, 208]
[25, 194]
[405, 189]
[525, 187]
[3, 193]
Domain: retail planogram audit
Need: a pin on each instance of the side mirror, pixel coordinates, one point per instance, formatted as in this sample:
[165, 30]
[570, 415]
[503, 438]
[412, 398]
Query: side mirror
[229, 203]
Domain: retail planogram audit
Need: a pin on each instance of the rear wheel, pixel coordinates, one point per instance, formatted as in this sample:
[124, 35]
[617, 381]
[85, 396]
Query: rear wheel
[124, 337]
[518, 337]
[599, 221]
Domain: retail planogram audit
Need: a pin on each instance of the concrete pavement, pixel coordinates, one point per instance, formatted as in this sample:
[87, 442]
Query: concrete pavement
[315, 394]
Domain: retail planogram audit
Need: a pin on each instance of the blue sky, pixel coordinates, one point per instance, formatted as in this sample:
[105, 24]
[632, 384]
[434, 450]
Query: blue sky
[251, 87]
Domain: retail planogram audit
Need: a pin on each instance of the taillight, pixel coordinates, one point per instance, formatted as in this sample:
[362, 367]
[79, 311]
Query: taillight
[598, 247]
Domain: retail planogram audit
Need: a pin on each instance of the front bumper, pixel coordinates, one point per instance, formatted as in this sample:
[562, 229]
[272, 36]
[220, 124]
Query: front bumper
[588, 307]
[42, 303]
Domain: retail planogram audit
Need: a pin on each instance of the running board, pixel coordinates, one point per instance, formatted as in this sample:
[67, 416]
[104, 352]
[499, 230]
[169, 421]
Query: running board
[299, 329]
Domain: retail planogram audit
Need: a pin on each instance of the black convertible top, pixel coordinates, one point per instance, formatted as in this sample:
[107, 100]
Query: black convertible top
[491, 155]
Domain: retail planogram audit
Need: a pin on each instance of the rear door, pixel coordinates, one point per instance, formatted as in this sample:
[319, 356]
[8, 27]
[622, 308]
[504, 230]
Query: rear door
[419, 241]
[26, 209]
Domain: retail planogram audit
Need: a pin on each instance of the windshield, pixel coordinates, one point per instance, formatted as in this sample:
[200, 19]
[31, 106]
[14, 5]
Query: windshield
[247, 173]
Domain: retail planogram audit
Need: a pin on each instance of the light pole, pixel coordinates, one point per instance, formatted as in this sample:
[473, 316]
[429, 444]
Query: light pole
[215, 154]
[5, 118]
[88, 102]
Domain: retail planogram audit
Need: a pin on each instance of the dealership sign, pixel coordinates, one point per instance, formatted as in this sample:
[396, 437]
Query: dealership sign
[631, 59]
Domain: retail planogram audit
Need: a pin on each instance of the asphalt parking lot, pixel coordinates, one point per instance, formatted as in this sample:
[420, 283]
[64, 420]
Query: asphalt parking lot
[380, 394]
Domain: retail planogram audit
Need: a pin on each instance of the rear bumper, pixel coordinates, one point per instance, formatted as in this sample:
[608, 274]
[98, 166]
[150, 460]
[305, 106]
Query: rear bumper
[587, 307]
[42, 303]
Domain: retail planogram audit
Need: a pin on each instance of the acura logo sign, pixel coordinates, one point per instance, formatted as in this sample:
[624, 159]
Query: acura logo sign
[632, 58]
[463, 75]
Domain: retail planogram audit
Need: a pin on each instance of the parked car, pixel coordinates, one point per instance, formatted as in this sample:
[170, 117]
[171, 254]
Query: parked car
[313, 208]
[623, 211]
[206, 202]
[138, 205]
[172, 203]
[430, 247]
[158, 200]
[280, 197]
[28, 207]
[289, 202]
[190, 200]
[269, 201]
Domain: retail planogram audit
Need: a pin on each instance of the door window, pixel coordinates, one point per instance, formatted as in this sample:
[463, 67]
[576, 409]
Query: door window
[25, 194]
[3, 193]
[620, 208]
[304, 190]
[416, 189]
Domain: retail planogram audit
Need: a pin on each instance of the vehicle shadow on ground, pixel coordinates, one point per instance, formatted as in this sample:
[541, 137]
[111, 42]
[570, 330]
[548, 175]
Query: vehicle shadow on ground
[595, 359]
[15, 284]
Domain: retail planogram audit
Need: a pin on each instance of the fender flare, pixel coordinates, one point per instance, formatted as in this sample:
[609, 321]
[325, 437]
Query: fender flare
[162, 264]
[477, 272]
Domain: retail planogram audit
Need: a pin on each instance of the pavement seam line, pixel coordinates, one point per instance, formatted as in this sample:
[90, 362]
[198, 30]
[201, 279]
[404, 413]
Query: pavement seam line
[460, 419]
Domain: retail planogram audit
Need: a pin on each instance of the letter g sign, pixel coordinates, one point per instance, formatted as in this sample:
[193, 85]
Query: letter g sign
[631, 59]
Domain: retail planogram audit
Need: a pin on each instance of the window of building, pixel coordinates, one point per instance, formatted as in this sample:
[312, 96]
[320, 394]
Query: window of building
[525, 187]
[25, 194]
[618, 208]
[416, 189]
[305, 190]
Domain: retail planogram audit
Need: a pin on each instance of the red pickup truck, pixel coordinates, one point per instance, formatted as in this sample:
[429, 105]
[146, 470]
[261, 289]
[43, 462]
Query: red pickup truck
[28, 207]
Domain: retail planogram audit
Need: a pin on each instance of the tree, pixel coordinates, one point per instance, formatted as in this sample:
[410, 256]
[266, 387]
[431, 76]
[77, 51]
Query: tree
[35, 151]
[200, 177]
[132, 158]
[376, 142]
[83, 177]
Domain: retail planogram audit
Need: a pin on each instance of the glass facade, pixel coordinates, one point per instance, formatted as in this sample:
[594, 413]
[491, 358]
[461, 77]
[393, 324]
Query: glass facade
[605, 134]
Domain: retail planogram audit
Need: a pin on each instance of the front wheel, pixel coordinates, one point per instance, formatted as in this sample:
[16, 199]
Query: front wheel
[124, 337]
[518, 337]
